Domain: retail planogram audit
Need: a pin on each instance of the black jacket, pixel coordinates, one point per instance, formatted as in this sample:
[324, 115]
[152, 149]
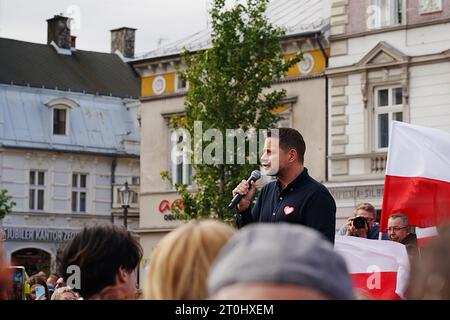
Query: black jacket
[304, 201]
[410, 242]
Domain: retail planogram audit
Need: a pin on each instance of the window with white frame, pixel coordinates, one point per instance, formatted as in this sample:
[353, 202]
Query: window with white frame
[60, 121]
[180, 83]
[79, 192]
[181, 168]
[37, 190]
[385, 13]
[388, 108]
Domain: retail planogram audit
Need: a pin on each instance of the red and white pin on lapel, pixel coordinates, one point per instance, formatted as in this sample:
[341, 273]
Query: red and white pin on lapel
[288, 210]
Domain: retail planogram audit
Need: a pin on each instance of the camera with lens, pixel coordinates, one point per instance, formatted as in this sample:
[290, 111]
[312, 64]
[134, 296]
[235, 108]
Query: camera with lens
[359, 222]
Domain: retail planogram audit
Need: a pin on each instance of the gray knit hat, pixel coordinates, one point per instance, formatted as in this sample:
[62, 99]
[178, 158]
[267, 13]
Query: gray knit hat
[285, 254]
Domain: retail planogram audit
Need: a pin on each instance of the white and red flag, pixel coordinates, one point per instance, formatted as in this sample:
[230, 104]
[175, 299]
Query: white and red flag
[417, 180]
[379, 268]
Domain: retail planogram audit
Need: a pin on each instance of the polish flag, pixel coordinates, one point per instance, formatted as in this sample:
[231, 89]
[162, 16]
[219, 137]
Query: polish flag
[379, 268]
[417, 180]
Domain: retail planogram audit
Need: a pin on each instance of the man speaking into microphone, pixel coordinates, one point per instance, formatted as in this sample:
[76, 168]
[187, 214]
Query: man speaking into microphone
[294, 197]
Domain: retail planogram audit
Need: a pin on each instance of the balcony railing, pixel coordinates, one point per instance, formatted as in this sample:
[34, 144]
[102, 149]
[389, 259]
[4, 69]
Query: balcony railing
[378, 163]
[368, 166]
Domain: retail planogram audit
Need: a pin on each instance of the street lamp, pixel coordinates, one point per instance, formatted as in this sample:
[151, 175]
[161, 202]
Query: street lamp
[126, 193]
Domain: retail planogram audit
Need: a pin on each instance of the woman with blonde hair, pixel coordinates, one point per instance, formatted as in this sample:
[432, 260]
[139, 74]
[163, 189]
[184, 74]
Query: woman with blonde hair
[180, 263]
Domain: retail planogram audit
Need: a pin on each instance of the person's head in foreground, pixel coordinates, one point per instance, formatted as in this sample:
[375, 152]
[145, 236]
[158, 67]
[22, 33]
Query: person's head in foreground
[430, 273]
[107, 256]
[64, 293]
[180, 263]
[279, 261]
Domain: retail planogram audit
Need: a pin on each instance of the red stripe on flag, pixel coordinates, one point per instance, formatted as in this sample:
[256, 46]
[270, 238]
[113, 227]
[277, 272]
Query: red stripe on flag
[425, 201]
[377, 286]
[421, 242]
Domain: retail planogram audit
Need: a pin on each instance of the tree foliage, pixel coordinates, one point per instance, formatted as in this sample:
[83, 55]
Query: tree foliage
[6, 204]
[230, 88]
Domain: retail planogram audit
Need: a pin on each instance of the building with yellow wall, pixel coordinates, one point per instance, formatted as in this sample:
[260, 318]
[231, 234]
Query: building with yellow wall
[163, 95]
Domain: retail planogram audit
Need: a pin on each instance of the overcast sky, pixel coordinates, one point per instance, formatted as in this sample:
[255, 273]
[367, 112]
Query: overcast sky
[155, 19]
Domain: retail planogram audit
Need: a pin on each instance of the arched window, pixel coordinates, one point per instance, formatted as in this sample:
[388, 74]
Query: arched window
[60, 114]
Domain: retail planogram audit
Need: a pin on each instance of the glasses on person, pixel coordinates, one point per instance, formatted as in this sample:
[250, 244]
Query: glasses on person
[396, 228]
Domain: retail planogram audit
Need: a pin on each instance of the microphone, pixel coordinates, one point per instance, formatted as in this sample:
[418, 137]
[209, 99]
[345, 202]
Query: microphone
[253, 177]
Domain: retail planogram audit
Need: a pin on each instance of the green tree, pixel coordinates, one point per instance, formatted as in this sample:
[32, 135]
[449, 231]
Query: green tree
[6, 204]
[230, 88]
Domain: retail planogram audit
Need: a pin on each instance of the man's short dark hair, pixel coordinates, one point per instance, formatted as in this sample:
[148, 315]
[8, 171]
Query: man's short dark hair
[291, 139]
[99, 251]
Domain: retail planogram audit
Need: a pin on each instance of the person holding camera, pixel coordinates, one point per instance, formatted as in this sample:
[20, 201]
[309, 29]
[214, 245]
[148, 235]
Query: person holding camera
[357, 227]
[362, 224]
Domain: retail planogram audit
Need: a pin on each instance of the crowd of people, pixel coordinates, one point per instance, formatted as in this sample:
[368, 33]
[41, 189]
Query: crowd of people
[213, 260]
[283, 249]
[38, 287]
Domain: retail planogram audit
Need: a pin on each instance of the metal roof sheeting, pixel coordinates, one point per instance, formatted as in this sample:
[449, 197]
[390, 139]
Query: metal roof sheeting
[296, 16]
[97, 125]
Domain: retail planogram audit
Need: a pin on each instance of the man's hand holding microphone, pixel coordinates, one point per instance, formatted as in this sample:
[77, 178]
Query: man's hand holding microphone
[244, 192]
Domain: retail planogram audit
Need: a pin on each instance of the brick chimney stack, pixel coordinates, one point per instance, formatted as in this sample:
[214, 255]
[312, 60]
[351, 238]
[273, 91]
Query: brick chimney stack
[122, 40]
[58, 31]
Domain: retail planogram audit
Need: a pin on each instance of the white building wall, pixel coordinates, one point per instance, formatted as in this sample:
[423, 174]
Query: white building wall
[412, 42]
[355, 113]
[430, 95]
[16, 165]
[57, 214]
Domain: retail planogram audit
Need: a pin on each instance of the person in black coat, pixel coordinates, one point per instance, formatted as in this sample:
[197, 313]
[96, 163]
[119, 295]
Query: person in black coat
[295, 196]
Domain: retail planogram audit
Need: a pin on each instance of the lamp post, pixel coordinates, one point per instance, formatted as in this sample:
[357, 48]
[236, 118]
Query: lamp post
[126, 193]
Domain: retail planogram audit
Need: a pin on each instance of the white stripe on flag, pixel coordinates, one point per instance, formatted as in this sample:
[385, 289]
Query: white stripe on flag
[369, 256]
[426, 232]
[418, 152]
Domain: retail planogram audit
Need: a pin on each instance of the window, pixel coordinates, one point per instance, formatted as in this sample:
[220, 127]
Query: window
[59, 121]
[180, 84]
[385, 13]
[135, 180]
[181, 168]
[79, 191]
[388, 108]
[37, 187]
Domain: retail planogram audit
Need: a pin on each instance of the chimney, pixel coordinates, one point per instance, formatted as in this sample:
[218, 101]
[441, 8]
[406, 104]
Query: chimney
[58, 31]
[122, 40]
[73, 42]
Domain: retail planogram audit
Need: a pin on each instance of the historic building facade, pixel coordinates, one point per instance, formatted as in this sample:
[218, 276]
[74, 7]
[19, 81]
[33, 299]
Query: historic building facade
[163, 93]
[69, 140]
[390, 61]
